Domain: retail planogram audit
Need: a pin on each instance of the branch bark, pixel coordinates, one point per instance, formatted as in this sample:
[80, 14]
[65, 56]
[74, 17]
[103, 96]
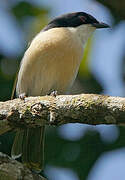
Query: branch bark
[47, 110]
[11, 169]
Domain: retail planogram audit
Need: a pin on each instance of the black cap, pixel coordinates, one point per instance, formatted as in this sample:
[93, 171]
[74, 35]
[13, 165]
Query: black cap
[73, 20]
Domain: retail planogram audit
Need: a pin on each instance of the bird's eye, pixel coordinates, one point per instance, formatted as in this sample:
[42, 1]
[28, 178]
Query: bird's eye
[83, 18]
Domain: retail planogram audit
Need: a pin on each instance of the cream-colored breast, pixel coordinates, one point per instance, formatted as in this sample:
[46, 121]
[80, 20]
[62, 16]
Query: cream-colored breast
[50, 63]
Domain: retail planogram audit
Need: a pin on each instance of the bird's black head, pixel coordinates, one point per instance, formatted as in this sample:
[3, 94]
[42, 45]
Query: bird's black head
[73, 20]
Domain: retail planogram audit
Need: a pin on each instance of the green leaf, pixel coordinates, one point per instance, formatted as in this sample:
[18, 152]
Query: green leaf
[23, 9]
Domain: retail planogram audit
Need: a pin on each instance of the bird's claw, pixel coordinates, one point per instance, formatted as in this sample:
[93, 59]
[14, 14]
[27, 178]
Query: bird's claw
[22, 96]
[53, 93]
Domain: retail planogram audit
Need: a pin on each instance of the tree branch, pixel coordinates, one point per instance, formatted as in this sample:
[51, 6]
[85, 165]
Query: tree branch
[85, 108]
[11, 169]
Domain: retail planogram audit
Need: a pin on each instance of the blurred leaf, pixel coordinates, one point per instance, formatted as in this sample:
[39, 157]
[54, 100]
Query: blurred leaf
[8, 68]
[90, 84]
[84, 69]
[23, 9]
[78, 155]
[86, 78]
[116, 7]
[37, 25]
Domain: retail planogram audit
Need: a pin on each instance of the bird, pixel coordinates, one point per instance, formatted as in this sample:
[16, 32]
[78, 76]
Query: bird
[50, 63]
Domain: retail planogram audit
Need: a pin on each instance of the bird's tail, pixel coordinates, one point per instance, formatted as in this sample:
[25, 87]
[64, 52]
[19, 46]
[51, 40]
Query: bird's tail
[29, 144]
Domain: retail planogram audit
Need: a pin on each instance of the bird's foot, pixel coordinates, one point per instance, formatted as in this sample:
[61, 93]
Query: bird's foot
[53, 93]
[22, 96]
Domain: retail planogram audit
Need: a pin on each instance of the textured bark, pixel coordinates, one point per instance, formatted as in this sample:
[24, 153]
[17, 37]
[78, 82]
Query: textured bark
[85, 108]
[11, 169]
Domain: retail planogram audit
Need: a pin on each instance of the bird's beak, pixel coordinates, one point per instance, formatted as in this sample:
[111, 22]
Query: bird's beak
[100, 25]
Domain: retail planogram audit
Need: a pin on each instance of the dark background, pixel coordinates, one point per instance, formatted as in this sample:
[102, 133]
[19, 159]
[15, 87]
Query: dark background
[73, 151]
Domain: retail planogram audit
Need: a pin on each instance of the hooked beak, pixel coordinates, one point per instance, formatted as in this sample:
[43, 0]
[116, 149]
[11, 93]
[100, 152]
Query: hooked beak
[100, 25]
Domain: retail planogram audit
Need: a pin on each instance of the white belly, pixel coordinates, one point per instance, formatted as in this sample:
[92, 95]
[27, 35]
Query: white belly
[50, 63]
